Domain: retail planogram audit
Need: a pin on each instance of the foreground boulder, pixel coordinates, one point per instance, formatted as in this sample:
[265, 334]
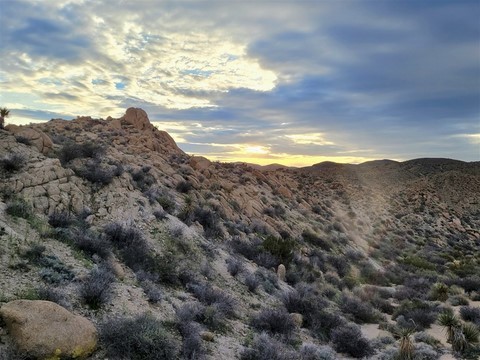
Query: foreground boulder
[43, 329]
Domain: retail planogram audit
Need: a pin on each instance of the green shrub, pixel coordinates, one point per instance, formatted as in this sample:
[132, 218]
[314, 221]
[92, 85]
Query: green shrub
[71, 151]
[138, 338]
[348, 339]
[19, 208]
[280, 248]
[273, 321]
[96, 290]
[13, 162]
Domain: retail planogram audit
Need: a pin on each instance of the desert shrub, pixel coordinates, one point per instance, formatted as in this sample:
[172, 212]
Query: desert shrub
[71, 151]
[160, 214]
[469, 283]
[424, 352]
[317, 316]
[276, 210]
[264, 347]
[458, 300]
[192, 344]
[34, 253]
[96, 290]
[266, 260]
[96, 173]
[280, 248]
[423, 314]
[184, 186]
[54, 295]
[273, 321]
[361, 311]
[152, 290]
[316, 240]
[348, 339]
[143, 180]
[60, 219]
[245, 247]
[252, 282]
[18, 207]
[13, 162]
[470, 314]
[209, 316]
[131, 244]
[268, 280]
[340, 264]
[234, 266]
[209, 219]
[418, 262]
[314, 352]
[23, 140]
[439, 291]
[54, 271]
[210, 295]
[90, 243]
[427, 339]
[138, 338]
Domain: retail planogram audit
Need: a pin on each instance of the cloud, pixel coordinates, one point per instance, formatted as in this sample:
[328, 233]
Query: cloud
[267, 80]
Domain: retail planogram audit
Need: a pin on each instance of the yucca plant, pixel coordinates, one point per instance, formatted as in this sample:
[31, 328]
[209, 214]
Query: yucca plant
[450, 321]
[471, 334]
[439, 291]
[406, 349]
[4, 112]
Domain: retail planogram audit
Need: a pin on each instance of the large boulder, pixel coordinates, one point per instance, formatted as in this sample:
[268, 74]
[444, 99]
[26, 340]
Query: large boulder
[138, 118]
[36, 137]
[43, 329]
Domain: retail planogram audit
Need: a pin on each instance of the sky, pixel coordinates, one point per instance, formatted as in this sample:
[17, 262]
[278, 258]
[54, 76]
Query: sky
[289, 82]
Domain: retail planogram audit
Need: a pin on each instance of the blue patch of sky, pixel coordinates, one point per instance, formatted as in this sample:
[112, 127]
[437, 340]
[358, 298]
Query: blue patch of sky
[120, 85]
[98, 82]
[197, 72]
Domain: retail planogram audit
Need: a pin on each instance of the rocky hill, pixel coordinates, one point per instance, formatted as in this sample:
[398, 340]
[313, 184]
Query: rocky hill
[162, 255]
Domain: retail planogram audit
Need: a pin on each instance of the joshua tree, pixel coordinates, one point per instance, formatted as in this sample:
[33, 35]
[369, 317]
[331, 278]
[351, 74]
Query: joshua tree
[4, 112]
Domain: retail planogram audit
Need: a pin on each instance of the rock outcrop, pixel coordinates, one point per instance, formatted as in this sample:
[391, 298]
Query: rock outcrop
[43, 329]
[36, 137]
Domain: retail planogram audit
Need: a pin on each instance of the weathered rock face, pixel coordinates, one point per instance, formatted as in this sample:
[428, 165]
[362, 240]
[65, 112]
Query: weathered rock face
[37, 137]
[138, 118]
[44, 329]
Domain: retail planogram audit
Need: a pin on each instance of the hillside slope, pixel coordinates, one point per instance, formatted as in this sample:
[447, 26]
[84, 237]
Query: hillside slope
[202, 247]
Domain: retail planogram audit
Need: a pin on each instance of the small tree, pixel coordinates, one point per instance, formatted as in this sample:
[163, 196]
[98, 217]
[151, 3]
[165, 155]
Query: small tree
[4, 112]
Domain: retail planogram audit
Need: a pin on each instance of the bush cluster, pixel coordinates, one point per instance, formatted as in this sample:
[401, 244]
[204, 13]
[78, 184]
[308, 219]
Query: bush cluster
[273, 321]
[138, 338]
[209, 295]
[360, 311]
[71, 151]
[348, 339]
[96, 290]
[13, 162]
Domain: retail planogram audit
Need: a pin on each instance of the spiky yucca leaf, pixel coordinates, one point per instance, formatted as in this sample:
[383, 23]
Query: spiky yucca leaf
[471, 333]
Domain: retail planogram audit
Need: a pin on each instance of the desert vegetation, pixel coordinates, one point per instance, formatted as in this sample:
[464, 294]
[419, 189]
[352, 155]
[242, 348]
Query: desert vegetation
[174, 257]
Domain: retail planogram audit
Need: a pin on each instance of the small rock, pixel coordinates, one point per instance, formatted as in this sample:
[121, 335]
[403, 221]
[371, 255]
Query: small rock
[297, 319]
[207, 335]
[281, 272]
